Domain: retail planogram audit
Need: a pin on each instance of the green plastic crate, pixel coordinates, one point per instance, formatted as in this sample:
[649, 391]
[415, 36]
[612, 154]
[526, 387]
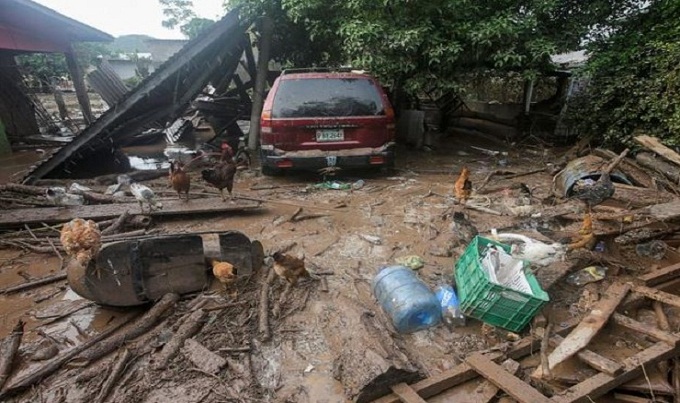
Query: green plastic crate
[491, 303]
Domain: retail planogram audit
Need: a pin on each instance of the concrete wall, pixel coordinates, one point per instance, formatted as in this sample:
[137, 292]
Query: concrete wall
[125, 68]
[162, 49]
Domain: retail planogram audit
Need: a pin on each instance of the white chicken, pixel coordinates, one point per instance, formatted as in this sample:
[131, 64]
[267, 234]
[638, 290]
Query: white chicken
[537, 252]
[145, 195]
[59, 197]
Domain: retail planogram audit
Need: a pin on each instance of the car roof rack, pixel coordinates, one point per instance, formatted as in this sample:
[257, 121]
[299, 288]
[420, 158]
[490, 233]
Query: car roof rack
[323, 70]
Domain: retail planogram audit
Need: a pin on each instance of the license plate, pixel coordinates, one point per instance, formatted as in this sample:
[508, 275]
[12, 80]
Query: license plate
[330, 135]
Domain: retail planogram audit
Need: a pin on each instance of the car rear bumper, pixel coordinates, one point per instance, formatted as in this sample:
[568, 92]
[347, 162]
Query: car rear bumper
[315, 159]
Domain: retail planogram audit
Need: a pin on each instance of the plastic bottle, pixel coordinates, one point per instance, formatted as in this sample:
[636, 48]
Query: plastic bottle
[358, 184]
[410, 303]
[448, 300]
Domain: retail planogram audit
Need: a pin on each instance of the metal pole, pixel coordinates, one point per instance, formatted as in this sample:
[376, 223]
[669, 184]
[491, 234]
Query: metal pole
[266, 28]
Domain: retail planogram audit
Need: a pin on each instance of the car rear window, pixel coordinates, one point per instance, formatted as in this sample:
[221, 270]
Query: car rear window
[318, 97]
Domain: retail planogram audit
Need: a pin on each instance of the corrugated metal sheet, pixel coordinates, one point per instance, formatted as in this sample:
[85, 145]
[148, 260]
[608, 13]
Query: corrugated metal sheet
[163, 95]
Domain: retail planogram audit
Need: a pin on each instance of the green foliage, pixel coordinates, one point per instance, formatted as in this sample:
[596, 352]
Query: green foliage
[196, 26]
[40, 68]
[635, 79]
[419, 45]
[180, 13]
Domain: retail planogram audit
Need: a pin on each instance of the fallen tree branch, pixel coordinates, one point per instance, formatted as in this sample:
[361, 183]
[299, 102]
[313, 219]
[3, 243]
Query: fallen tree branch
[8, 351]
[33, 284]
[140, 327]
[191, 324]
[265, 333]
[117, 224]
[276, 311]
[116, 373]
[52, 366]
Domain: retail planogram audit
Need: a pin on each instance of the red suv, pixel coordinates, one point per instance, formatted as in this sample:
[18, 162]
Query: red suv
[321, 118]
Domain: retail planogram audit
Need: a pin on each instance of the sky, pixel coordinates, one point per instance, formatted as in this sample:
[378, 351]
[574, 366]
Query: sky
[124, 17]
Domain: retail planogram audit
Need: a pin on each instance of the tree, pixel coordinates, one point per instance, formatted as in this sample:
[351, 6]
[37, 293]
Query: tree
[634, 78]
[180, 13]
[40, 68]
[420, 45]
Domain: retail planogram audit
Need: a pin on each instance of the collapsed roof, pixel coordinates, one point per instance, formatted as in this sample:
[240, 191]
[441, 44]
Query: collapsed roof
[164, 95]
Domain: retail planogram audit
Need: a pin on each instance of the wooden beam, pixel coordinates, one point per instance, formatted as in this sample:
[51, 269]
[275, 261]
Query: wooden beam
[621, 397]
[600, 384]
[653, 144]
[512, 385]
[663, 275]
[436, 384]
[79, 84]
[657, 295]
[19, 217]
[487, 390]
[406, 394]
[640, 327]
[588, 328]
[600, 363]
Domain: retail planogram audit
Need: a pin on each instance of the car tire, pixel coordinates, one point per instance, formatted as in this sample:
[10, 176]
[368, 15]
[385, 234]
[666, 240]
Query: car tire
[271, 171]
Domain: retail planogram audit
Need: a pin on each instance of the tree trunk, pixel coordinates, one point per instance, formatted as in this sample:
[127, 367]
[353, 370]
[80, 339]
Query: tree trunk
[368, 361]
[266, 29]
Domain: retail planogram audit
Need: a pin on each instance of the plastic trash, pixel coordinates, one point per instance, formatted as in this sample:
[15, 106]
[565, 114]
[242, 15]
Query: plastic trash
[358, 184]
[448, 300]
[654, 249]
[410, 303]
[600, 247]
[590, 274]
[333, 185]
[414, 262]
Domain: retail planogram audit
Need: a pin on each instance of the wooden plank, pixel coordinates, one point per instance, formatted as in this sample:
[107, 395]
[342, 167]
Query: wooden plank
[661, 276]
[19, 217]
[640, 327]
[512, 385]
[406, 394]
[653, 144]
[657, 295]
[436, 384]
[487, 390]
[593, 359]
[588, 328]
[600, 384]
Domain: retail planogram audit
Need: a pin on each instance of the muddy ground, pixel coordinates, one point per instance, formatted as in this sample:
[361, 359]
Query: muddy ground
[409, 210]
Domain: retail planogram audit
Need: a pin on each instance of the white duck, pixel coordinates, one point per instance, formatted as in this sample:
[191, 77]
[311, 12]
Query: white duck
[145, 195]
[537, 252]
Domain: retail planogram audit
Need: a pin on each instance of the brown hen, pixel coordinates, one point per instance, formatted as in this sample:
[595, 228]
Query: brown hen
[179, 179]
[289, 268]
[81, 240]
[224, 272]
[463, 186]
[222, 175]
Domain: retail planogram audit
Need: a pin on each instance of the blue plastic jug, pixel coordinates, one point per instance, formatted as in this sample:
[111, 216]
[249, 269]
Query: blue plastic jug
[408, 301]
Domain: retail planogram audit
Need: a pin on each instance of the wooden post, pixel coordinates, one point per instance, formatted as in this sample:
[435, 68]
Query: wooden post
[528, 94]
[59, 99]
[79, 84]
[266, 28]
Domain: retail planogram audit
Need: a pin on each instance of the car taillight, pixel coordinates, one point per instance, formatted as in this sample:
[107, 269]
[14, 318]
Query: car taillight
[284, 163]
[389, 112]
[266, 114]
[376, 160]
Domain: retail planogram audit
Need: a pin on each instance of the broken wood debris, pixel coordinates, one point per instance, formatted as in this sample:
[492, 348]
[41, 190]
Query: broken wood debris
[588, 328]
[8, 350]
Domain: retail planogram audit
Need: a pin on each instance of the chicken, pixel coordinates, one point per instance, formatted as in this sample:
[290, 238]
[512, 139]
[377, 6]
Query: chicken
[145, 195]
[59, 197]
[586, 237]
[463, 187]
[289, 268]
[224, 272]
[179, 179]
[537, 252]
[81, 240]
[222, 175]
